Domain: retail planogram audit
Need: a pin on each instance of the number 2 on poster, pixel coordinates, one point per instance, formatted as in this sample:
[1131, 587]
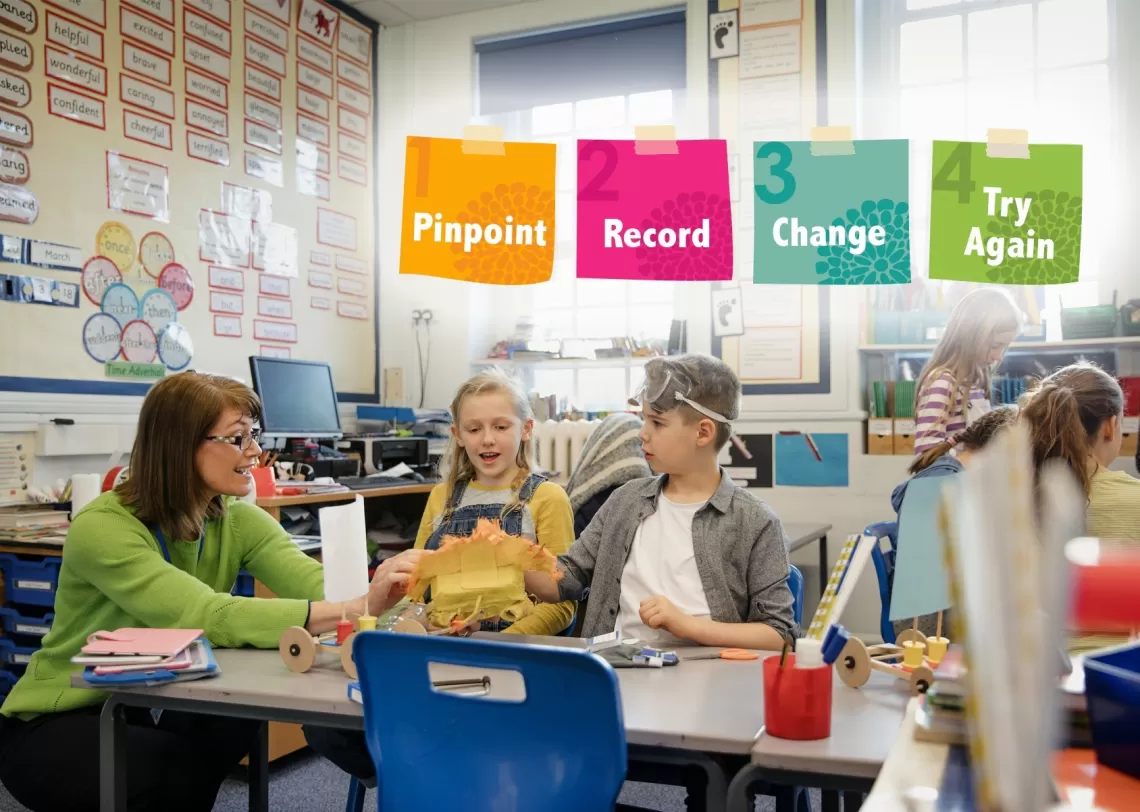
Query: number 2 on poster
[593, 190]
[779, 171]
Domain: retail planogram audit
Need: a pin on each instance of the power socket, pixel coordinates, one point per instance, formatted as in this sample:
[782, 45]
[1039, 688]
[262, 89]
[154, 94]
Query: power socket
[394, 386]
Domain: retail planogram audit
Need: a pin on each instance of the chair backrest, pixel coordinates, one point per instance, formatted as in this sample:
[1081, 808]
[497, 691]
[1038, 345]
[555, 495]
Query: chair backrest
[440, 749]
[884, 572]
[796, 584]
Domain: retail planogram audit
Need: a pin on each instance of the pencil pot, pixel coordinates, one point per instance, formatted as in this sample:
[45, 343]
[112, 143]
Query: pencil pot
[264, 482]
[1112, 689]
[797, 701]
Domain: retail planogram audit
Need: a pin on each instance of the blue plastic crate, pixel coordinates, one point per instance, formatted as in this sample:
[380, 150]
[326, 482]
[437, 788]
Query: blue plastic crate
[243, 586]
[1112, 688]
[25, 624]
[7, 680]
[32, 583]
[15, 656]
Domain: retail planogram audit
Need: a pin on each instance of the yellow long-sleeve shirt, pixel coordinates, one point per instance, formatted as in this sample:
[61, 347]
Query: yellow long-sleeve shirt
[1114, 506]
[547, 519]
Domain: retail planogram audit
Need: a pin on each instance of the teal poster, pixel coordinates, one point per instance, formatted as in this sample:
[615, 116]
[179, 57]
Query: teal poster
[835, 219]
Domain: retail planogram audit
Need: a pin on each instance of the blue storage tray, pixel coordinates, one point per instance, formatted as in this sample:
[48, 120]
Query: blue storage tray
[7, 680]
[29, 582]
[22, 623]
[1112, 689]
[16, 656]
[243, 586]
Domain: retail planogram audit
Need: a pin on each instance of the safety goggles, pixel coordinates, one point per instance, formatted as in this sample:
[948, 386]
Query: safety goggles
[665, 389]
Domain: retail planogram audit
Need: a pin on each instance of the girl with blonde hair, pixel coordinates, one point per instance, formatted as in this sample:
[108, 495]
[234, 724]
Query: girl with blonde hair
[954, 388]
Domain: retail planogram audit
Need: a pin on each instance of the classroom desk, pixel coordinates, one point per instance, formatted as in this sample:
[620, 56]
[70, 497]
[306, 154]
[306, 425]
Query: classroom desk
[273, 504]
[911, 766]
[864, 729]
[801, 534]
[678, 714]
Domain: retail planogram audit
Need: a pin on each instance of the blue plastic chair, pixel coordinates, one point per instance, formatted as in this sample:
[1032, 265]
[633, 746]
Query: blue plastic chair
[885, 572]
[503, 751]
[796, 584]
[356, 789]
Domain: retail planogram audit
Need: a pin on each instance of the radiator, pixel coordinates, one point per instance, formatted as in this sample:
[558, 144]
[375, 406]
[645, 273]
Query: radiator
[558, 445]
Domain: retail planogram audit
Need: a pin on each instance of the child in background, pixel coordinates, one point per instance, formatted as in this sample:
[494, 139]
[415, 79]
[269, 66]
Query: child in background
[1075, 415]
[946, 459]
[488, 473]
[954, 389]
[609, 459]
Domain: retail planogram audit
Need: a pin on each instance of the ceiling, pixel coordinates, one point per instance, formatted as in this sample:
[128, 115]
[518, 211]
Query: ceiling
[400, 12]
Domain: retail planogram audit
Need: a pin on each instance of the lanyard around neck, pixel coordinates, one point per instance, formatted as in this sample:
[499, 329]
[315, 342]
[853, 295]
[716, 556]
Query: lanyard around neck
[158, 534]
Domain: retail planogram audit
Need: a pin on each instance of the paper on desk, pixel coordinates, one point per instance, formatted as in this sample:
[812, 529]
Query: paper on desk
[344, 551]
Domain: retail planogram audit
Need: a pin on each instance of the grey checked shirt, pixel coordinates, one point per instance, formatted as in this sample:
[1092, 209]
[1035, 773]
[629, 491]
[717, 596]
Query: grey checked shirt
[739, 544]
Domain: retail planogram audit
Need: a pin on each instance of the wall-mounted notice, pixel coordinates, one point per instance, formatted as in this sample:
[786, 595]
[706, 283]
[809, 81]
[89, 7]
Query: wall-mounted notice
[275, 331]
[226, 278]
[247, 203]
[275, 248]
[137, 187]
[336, 229]
[318, 20]
[223, 238]
[351, 310]
[266, 168]
[320, 279]
[227, 326]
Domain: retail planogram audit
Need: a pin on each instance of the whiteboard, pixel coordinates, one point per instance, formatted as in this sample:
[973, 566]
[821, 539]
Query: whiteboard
[220, 153]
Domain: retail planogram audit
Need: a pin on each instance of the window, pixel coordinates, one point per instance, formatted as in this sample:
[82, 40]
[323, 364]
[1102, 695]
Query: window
[562, 93]
[954, 68]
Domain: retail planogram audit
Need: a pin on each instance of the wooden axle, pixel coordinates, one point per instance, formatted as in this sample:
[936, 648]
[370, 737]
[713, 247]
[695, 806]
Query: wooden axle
[855, 665]
[299, 650]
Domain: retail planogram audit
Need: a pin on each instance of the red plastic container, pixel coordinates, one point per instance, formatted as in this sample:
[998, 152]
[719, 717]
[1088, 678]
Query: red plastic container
[1131, 387]
[1105, 575]
[265, 482]
[797, 701]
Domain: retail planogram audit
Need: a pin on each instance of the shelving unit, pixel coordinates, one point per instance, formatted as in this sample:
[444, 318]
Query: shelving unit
[563, 363]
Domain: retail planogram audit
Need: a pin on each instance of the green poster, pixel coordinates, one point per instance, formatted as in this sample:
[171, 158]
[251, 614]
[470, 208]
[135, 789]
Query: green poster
[831, 219]
[128, 369]
[1011, 221]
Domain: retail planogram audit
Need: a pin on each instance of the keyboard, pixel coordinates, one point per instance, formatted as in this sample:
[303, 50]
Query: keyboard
[363, 483]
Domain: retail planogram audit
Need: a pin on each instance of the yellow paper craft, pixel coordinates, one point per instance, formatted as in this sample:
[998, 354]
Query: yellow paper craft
[479, 576]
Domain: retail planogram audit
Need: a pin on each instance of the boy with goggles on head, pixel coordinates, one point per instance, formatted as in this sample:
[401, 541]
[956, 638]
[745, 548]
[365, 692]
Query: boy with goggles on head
[686, 555]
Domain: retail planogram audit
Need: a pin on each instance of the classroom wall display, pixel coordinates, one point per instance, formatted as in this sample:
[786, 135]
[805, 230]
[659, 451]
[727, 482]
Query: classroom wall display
[831, 217]
[476, 211]
[654, 210]
[812, 460]
[750, 466]
[156, 141]
[1006, 220]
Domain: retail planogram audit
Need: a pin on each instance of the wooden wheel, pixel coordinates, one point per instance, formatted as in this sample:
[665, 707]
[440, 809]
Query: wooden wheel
[921, 679]
[408, 626]
[854, 664]
[910, 634]
[298, 650]
[346, 660]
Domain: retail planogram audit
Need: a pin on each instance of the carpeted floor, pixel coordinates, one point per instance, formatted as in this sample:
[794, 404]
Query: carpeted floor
[306, 783]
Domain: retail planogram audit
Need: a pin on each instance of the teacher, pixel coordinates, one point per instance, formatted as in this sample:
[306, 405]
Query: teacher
[163, 550]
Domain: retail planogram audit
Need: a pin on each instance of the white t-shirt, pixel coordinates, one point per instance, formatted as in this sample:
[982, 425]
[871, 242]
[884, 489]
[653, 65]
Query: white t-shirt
[661, 562]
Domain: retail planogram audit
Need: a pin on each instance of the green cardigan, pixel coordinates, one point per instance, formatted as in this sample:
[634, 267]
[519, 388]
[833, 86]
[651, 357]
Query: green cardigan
[114, 576]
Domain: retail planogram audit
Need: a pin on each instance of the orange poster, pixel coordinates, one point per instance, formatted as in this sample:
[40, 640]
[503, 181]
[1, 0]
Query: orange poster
[478, 211]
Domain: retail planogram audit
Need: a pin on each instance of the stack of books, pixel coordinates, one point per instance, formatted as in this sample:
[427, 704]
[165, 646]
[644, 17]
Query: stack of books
[941, 714]
[146, 657]
[33, 525]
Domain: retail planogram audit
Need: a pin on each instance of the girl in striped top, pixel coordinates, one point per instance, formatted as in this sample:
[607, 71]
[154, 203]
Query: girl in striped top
[954, 389]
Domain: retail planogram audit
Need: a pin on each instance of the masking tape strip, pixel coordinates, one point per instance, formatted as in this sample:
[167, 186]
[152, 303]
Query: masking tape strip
[483, 139]
[832, 141]
[1007, 143]
[658, 139]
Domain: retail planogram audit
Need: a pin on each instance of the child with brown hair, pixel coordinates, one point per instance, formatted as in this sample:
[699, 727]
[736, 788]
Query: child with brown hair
[1075, 415]
[954, 388]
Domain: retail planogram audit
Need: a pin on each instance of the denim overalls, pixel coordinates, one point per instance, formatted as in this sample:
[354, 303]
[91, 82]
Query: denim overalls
[462, 523]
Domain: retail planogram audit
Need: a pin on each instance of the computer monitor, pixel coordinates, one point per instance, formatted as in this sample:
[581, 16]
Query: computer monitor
[298, 398]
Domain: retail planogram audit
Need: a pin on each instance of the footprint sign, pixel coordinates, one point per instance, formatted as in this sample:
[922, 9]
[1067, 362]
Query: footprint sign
[833, 218]
[649, 212]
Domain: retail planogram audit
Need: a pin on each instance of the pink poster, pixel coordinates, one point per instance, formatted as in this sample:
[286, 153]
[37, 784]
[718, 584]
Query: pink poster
[652, 211]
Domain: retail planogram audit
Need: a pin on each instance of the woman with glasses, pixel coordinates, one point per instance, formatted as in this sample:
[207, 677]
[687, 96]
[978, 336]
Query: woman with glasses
[163, 550]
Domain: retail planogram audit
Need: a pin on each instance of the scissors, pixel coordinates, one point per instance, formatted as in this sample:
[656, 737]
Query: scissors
[727, 654]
